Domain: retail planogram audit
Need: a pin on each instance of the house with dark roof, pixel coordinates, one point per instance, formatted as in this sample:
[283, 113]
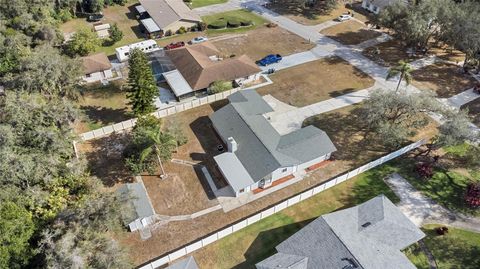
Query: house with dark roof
[368, 236]
[96, 67]
[160, 17]
[258, 156]
[376, 6]
[198, 66]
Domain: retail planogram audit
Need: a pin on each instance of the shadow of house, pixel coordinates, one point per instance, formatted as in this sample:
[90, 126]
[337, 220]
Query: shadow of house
[264, 244]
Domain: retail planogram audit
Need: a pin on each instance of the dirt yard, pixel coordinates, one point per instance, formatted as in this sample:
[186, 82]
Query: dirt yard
[474, 111]
[316, 81]
[350, 33]
[443, 78]
[263, 41]
[311, 16]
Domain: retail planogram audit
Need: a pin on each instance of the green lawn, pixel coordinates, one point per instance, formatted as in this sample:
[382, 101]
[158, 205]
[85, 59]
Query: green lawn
[202, 3]
[457, 249]
[256, 242]
[240, 14]
[416, 255]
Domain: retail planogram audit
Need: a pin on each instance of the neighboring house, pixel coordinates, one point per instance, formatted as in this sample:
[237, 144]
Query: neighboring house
[368, 236]
[162, 16]
[146, 46]
[258, 156]
[376, 6]
[198, 66]
[96, 67]
[187, 263]
[142, 211]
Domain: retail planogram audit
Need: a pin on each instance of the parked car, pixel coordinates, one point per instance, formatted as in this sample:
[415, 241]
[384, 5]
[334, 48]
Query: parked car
[270, 59]
[344, 17]
[199, 39]
[174, 45]
[95, 17]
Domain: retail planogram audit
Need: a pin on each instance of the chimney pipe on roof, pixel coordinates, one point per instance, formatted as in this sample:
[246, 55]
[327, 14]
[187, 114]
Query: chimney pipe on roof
[231, 145]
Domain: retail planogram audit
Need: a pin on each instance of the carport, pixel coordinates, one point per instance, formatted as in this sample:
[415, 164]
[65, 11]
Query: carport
[178, 84]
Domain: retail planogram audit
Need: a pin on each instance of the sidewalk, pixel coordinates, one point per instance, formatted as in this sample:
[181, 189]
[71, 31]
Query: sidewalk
[422, 210]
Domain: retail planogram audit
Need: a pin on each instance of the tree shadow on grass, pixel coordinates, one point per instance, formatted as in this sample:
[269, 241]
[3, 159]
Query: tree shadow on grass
[264, 245]
[105, 115]
[354, 37]
[292, 7]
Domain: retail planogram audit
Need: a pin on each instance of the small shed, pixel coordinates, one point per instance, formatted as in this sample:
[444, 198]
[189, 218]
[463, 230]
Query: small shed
[142, 211]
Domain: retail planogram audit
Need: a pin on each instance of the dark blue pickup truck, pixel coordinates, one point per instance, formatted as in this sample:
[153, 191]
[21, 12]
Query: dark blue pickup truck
[270, 59]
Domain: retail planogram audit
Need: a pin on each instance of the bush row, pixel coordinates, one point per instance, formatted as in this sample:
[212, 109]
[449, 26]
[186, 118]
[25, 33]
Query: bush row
[230, 23]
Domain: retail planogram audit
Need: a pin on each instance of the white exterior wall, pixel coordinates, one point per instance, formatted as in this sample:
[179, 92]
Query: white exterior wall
[277, 174]
[98, 76]
[369, 6]
[251, 78]
[304, 166]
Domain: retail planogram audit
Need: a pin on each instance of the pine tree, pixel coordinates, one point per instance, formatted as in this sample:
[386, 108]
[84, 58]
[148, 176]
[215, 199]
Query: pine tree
[142, 88]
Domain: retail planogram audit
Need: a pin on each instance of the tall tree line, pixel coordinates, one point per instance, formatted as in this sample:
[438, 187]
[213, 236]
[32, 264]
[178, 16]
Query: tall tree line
[53, 214]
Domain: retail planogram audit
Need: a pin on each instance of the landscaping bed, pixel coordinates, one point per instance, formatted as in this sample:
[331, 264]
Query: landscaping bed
[235, 21]
[316, 81]
[350, 33]
[102, 105]
[443, 78]
[473, 111]
[456, 249]
[263, 41]
[298, 12]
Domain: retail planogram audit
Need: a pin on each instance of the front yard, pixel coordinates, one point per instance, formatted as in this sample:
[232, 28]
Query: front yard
[457, 249]
[443, 78]
[202, 3]
[234, 15]
[350, 33]
[261, 42]
[298, 12]
[316, 81]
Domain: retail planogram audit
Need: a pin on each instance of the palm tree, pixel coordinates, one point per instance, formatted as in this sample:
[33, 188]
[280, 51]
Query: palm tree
[159, 143]
[404, 69]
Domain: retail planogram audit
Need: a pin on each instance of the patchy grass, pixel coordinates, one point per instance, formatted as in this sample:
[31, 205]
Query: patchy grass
[457, 249]
[350, 33]
[202, 3]
[263, 41]
[239, 14]
[473, 111]
[388, 53]
[102, 105]
[416, 255]
[443, 78]
[316, 81]
[245, 248]
[297, 11]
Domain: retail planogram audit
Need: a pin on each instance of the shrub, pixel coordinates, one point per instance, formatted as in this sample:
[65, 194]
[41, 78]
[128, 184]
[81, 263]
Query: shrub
[115, 33]
[218, 24]
[233, 23]
[219, 86]
[424, 170]
[472, 196]
[201, 26]
[168, 33]
[182, 30]
[246, 23]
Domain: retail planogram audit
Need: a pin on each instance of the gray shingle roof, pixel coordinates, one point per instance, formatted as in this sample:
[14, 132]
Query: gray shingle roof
[284, 261]
[261, 149]
[139, 200]
[368, 236]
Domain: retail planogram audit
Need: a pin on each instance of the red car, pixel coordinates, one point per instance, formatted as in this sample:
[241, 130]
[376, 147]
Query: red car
[174, 45]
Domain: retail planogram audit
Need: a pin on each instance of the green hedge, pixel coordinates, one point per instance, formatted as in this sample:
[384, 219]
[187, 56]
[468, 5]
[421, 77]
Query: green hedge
[246, 23]
[233, 23]
[218, 24]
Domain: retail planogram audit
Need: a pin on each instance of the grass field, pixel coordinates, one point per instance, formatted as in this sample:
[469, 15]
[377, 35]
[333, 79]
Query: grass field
[256, 242]
[202, 3]
[457, 249]
[316, 81]
[239, 14]
[350, 33]
[297, 11]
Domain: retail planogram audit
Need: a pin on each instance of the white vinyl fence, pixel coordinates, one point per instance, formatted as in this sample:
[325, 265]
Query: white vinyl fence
[125, 125]
[275, 208]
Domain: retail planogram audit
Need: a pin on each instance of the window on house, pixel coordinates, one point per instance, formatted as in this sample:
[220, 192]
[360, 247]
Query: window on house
[126, 53]
[284, 170]
[241, 191]
[88, 75]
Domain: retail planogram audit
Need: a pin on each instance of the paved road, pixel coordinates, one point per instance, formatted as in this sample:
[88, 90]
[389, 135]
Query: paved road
[422, 210]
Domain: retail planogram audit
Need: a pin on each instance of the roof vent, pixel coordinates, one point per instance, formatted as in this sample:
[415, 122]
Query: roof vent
[366, 224]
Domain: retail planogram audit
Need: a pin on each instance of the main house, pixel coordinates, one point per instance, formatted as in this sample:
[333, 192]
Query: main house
[258, 156]
[164, 17]
[368, 236]
[198, 66]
